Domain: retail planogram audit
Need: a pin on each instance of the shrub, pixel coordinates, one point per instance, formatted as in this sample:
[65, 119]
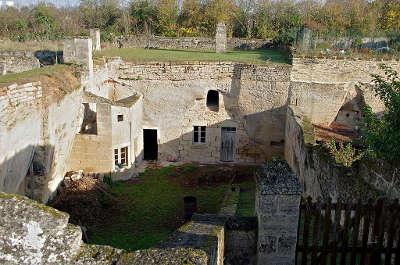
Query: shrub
[381, 134]
[344, 154]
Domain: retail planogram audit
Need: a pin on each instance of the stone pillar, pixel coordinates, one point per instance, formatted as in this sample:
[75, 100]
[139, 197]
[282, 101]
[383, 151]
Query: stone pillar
[79, 51]
[304, 39]
[220, 38]
[3, 68]
[277, 206]
[95, 36]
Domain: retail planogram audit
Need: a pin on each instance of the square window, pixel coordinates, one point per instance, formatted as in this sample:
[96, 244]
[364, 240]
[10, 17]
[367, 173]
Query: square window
[199, 134]
[120, 117]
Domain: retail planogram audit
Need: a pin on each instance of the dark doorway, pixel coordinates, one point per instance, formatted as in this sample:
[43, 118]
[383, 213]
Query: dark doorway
[150, 144]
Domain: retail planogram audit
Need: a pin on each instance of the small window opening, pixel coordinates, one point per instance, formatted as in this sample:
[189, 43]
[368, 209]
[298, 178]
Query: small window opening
[213, 100]
[199, 134]
[120, 117]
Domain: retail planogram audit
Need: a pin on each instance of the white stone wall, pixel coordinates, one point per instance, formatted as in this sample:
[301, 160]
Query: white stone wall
[20, 132]
[63, 122]
[252, 99]
[337, 70]
[33, 123]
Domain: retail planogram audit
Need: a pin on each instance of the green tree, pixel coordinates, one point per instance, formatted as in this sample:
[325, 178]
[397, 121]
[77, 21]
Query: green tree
[167, 17]
[144, 16]
[381, 134]
[102, 14]
[44, 23]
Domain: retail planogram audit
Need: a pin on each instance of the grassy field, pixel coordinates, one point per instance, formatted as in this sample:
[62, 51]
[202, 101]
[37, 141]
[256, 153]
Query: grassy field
[151, 208]
[140, 55]
[246, 199]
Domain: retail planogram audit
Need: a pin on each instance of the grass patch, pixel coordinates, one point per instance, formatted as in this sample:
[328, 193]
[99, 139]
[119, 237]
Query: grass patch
[308, 131]
[140, 55]
[152, 208]
[33, 75]
[33, 46]
[246, 207]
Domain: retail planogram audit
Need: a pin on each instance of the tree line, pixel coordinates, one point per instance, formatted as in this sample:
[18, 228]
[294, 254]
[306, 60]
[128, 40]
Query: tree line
[266, 19]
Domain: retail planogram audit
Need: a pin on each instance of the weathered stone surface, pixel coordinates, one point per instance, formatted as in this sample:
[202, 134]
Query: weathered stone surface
[277, 205]
[220, 38]
[31, 233]
[17, 61]
[276, 177]
[197, 43]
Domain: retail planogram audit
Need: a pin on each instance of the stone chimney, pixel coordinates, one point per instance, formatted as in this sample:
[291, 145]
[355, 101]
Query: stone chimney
[220, 38]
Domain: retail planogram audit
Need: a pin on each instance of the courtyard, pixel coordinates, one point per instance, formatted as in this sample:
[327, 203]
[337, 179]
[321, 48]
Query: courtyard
[142, 212]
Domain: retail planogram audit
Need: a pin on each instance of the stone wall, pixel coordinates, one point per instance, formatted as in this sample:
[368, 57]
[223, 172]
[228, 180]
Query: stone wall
[37, 128]
[278, 194]
[318, 91]
[21, 130]
[252, 98]
[17, 61]
[196, 43]
[332, 71]
[321, 177]
[79, 51]
[382, 176]
[93, 152]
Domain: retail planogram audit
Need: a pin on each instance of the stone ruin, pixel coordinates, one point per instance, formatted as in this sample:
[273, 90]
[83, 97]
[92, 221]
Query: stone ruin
[95, 36]
[220, 38]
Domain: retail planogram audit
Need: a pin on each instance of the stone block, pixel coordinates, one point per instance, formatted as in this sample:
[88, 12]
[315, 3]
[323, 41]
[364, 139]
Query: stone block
[220, 38]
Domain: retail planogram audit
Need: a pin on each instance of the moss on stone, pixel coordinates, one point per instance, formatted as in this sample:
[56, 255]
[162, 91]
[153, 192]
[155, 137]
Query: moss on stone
[42, 207]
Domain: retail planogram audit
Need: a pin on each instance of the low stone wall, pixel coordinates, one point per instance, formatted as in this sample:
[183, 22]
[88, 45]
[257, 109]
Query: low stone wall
[17, 61]
[195, 43]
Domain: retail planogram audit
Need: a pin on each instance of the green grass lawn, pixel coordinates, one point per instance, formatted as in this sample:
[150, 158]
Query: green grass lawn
[246, 199]
[140, 55]
[151, 208]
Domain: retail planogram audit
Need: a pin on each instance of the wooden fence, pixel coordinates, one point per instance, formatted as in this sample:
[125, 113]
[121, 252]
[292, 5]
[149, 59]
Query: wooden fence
[351, 233]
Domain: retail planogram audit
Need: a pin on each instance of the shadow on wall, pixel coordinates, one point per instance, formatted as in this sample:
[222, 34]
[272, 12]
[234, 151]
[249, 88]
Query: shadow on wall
[27, 172]
[47, 57]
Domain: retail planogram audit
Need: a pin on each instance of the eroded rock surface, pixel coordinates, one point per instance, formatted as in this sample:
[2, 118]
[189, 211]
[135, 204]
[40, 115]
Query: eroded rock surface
[31, 233]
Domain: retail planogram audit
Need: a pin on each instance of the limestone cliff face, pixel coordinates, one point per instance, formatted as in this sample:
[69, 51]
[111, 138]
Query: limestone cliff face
[38, 122]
